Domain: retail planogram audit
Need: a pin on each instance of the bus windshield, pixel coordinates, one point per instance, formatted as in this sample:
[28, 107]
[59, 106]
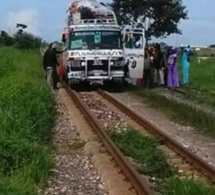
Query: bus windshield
[95, 40]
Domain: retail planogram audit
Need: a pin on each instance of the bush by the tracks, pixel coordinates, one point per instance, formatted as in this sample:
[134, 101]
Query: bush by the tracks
[145, 150]
[202, 78]
[21, 40]
[203, 121]
[151, 161]
[27, 113]
[177, 186]
[27, 41]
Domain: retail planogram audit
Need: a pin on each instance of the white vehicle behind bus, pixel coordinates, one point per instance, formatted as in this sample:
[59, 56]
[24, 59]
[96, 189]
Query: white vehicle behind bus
[134, 49]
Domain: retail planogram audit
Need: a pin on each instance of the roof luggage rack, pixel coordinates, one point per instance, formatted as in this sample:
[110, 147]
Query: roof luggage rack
[90, 12]
[101, 20]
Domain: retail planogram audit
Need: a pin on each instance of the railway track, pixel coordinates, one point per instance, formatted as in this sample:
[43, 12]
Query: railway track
[140, 185]
[193, 160]
[181, 91]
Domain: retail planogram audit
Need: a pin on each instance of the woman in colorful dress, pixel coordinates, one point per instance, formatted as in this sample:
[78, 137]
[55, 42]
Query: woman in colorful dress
[172, 77]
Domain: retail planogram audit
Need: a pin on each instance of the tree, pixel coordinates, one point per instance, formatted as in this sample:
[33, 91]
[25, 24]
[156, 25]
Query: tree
[21, 27]
[5, 39]
[212, 46]
[21, 39]
[27, 41]
[159, 17]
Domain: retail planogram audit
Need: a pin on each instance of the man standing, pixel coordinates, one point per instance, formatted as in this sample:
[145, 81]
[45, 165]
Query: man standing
[50, 64]
[159, 64]
[147, 70]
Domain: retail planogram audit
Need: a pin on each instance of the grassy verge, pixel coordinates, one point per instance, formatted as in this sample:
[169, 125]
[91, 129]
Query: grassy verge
[27, 113]
[177, 186]
[202, 78]
[203, 122]
[145, 150]
[202, 74]
[152, 162]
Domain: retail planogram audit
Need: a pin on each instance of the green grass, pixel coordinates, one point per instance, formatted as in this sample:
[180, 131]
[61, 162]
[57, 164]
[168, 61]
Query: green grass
[201, 90]
[202, 77]
[145, 150]
[204, 123]
[176, 186]
[27, 113]
[203, 74]
[152, 162]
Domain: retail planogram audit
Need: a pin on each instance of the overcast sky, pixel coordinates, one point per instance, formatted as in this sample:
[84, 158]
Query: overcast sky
[47, 19]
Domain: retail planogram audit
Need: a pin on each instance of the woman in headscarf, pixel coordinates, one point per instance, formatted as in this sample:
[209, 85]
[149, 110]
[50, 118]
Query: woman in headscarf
[172, 76]
[186, 64]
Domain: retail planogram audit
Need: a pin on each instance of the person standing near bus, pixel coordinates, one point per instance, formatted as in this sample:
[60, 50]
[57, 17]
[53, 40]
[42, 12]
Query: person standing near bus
[159, 63]
[172, 73]
[186, 65]
[147, 70]
[50, 64]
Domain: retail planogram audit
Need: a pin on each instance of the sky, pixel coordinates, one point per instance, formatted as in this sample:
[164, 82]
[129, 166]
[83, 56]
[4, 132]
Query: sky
[47, 20]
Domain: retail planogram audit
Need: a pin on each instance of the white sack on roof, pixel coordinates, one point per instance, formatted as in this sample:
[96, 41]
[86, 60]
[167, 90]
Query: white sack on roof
[90, 9]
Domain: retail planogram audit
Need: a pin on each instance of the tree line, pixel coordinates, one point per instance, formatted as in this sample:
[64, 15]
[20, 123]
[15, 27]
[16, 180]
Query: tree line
[160, 18]
[20, 39]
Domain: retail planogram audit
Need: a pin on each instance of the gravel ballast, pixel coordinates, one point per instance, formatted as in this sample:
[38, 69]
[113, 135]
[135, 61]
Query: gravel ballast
[203, 146]
[105, 114]
[73, 173]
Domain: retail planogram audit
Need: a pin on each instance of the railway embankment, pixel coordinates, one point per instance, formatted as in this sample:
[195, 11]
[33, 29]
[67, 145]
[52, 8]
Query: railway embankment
[27, 115]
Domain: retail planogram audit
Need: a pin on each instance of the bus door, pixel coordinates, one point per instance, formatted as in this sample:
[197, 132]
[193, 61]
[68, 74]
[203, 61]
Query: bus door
[134, 47]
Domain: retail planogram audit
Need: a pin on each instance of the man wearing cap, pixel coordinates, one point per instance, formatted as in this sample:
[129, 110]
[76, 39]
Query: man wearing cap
[50, 64]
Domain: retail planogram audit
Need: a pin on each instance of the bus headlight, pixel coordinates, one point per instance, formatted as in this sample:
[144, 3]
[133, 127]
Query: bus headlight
[111, 63]
[83, 63]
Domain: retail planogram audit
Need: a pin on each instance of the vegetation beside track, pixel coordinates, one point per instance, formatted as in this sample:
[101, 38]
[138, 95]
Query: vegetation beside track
[201, 91]
[152, 162]
[202, 78]
[145, 150]
[27, 113]
[202, 121]
[186, 186]
[202, 74]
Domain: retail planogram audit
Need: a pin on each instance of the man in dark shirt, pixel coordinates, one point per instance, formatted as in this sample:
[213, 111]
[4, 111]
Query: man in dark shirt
[147, 70]
[159, 64]
[50, 64]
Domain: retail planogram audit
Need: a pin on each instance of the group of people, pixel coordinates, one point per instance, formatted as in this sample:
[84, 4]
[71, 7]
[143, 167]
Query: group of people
[161, 66]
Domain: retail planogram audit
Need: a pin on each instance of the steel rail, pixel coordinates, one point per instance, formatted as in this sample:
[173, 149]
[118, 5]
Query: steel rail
[180, 91]
[198, 163]
[139, 184]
